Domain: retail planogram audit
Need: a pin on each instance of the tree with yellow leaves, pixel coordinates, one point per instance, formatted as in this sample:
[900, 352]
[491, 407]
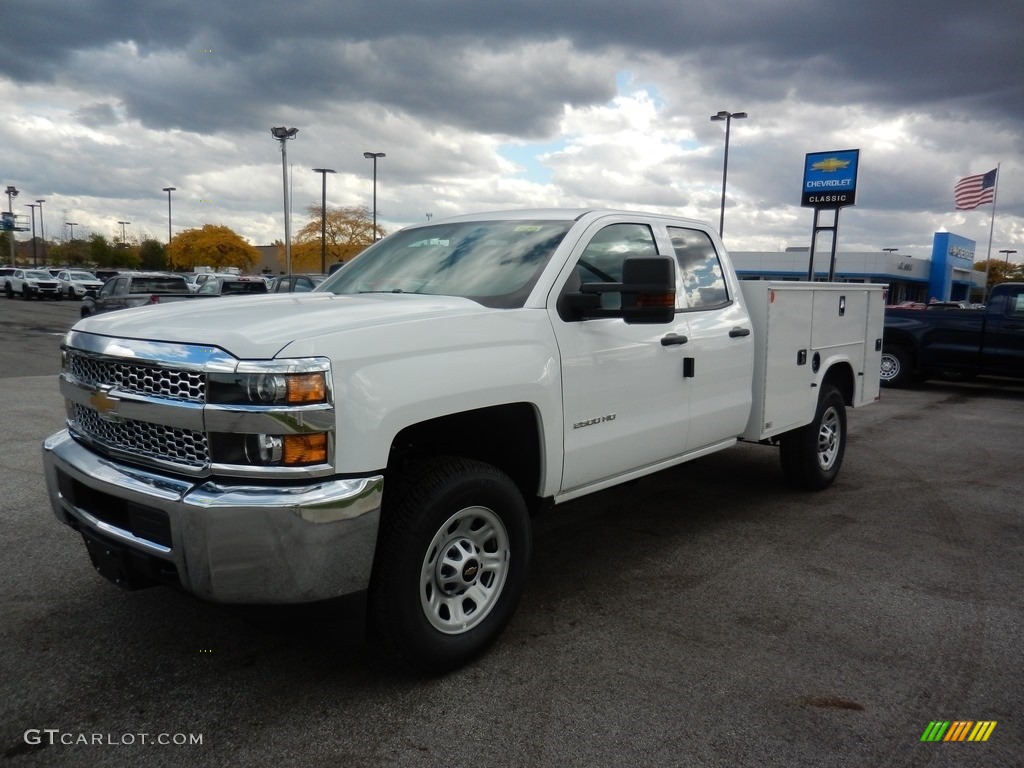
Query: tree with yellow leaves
[213, 245]
[349, 230]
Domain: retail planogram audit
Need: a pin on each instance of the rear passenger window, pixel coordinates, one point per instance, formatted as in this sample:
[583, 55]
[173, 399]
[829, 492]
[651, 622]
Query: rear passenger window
[700, 270]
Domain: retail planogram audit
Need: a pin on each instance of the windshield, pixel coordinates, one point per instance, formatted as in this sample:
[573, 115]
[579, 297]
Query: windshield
[38, 274]
[495, 263]
[81, 276]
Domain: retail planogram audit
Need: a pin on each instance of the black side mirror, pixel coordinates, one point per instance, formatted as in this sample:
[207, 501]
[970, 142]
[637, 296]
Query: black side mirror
[649, 289]
[648, 292]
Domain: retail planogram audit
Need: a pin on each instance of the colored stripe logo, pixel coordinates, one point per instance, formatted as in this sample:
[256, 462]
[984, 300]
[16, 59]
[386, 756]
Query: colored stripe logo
[958, 730]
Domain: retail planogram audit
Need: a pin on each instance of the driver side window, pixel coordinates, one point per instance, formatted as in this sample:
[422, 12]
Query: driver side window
[602, 260]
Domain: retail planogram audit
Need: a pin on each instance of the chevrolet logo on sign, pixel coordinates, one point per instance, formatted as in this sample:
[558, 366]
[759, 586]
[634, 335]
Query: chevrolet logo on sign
[105, 405]
[830, 165]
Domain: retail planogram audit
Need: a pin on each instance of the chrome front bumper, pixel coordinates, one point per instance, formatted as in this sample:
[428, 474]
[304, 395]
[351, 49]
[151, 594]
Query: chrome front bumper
[227, 542]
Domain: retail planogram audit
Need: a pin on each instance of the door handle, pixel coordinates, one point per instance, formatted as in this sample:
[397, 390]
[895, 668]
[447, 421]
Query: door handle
[671, 339]
[736, 333]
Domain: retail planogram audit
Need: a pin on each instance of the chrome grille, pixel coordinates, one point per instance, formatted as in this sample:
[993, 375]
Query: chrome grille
[138, 378]
[184, 446]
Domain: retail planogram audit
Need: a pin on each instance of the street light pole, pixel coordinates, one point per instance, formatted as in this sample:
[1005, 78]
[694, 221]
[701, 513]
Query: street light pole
[323, 218]
[72, 224]
[168, 190]
[282, 134]
[35, 261]
[123, 243]
[1008, 251]
[890, 251]
[728, 117]
[42, 235]
[12, 193]
[374, 156]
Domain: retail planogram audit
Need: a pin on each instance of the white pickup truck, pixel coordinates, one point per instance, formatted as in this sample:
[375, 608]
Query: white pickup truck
[390, 434]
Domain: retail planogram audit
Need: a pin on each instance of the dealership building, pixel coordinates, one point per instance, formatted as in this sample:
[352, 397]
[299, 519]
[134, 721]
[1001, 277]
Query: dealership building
[948, 275]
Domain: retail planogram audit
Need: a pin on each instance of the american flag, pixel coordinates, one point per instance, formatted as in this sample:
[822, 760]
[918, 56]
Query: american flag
[972, 191]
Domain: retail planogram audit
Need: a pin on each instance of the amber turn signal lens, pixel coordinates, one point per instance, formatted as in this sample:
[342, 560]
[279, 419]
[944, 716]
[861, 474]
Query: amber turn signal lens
[305, 449]
[651, 300]
[307, 388]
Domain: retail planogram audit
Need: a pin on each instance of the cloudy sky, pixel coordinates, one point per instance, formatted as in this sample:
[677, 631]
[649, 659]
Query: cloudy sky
[483, 105]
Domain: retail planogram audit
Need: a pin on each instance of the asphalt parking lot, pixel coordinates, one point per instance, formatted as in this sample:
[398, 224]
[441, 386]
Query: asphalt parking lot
[708, 616]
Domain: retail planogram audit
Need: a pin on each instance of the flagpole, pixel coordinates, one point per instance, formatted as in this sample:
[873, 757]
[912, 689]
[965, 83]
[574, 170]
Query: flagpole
[991, 229]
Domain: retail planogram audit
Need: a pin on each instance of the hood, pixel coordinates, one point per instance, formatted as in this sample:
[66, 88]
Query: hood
[258, 327]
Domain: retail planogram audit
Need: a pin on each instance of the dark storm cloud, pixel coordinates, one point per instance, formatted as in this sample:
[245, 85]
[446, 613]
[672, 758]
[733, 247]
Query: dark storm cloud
[219, 66]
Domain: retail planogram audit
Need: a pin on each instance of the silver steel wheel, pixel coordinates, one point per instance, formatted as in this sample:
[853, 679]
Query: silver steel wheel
[830, 438]
[464, 570]
[890, 368]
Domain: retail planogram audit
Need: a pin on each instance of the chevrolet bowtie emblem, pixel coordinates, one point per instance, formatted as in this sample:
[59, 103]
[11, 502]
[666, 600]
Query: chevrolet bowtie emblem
[830, 165]
[104, 404]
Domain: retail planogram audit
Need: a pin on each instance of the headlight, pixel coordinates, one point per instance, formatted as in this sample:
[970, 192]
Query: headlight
[285, 384]
[286, 450]
[271, 415]
[267, 388]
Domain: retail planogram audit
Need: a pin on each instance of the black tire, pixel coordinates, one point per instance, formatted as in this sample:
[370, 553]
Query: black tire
[24, 293]
[812, 455]
[8, 291]
[453, 554]
[84, 312]
[896, 369]
[71, 293]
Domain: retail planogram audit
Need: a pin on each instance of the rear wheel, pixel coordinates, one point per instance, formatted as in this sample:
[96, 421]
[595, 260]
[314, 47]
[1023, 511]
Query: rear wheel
[812, 455]
[451, 564]
[8, 291]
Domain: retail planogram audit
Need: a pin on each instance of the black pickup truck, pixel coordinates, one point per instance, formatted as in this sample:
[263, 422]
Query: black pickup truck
[135, 289]
[966, 342]
[138, 289]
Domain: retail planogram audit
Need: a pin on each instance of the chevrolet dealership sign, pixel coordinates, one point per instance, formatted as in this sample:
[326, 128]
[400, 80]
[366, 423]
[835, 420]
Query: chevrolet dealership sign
[830, 179]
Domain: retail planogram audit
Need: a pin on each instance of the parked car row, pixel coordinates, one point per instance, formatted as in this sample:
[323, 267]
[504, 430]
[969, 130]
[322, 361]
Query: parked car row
[106, 289]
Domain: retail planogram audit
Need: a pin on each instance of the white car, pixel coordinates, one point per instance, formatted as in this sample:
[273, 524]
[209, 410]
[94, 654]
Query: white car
[75, 282]
[32, 284]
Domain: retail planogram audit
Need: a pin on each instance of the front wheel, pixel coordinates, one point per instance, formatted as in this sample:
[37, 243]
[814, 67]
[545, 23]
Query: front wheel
[812, 455]
[451, 564]
[896, 370]
[8, 291]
